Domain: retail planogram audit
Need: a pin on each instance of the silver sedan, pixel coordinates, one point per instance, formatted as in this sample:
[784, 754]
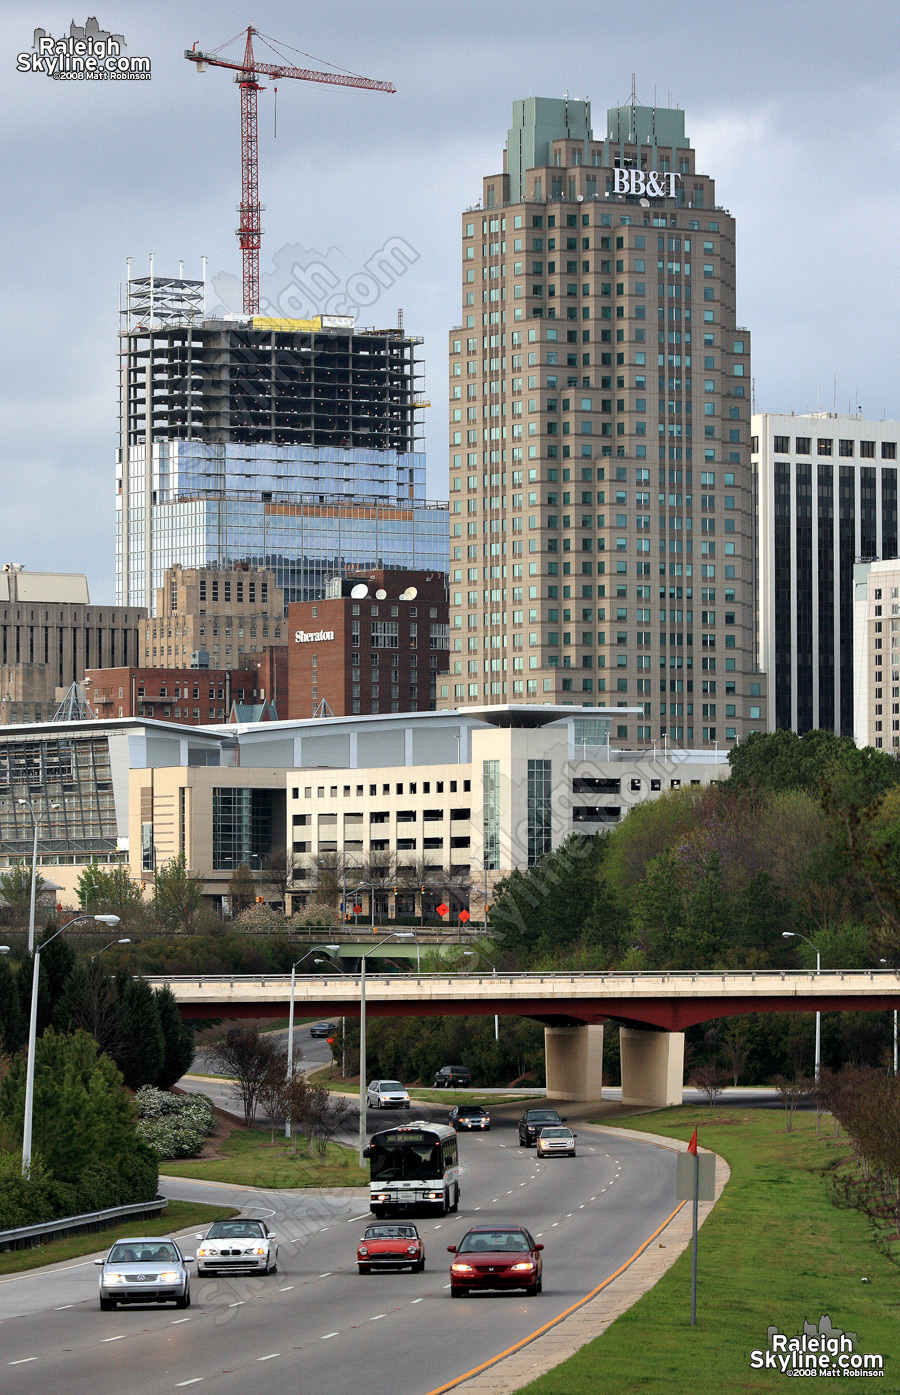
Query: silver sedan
[143, 1270]
[237, 1244]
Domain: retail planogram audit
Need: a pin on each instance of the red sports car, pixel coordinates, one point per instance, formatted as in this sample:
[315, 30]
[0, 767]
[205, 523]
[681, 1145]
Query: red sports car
[496, 1257]
[391, 1247]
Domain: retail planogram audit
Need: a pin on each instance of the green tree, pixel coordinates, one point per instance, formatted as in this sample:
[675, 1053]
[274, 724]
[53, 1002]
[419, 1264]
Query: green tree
[13, 1023]
[81, 1116]
[177, 896]
[15, 889]
[112, 891]
[90, 1003]
[550, 907]
[178, 1039]
[57, 962]
[142, 1050]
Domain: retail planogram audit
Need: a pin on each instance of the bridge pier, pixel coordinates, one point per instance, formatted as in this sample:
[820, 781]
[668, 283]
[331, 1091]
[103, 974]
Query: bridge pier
[574, 1059]
[652, 1066]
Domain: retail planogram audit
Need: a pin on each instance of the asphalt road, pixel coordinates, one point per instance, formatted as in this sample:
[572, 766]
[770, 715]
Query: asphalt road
[316, 1325]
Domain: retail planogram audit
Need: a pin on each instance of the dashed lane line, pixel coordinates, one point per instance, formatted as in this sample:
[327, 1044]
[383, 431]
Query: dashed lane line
[22, 1361]
[326, 1335]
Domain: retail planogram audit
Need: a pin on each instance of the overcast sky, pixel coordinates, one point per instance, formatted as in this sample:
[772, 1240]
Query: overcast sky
[791, 106]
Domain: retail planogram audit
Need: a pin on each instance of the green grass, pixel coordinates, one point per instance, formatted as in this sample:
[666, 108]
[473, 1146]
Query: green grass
[775, 1250]
[331, 1078]
[178, 1215]
[250, 1159]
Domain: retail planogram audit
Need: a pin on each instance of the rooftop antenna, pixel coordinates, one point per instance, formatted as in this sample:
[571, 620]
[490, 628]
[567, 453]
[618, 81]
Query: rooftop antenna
[203, 266]
[181, 271]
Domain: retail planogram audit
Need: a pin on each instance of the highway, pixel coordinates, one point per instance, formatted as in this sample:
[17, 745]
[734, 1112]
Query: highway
[317, 1325]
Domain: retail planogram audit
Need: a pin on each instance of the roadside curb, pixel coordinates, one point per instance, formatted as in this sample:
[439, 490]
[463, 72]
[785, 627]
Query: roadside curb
[562, 1336]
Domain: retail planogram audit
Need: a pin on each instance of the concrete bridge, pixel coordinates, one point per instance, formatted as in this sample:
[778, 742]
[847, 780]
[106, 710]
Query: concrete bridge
[652, 1009]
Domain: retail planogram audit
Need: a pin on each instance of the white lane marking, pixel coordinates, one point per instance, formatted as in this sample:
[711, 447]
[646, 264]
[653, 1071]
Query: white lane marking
[324, 1228]
[569, 1215]
[446, 1285]
[521, 1184]
[62, 1309]
[593, 1198]
[477, 1208]
[326, 1275]
[23, 1360]
[120, 1338]
[239, 1304]
[553, 1226]
[270, 1357]
[581, 1207]
[195, 1381]
[286, 1290]
[418, 1300]
[326, 1335]
[539, 1234]
[377, 1317]
[363, 1217]
[176, 1321]
[494, 1198]
[502, 1145]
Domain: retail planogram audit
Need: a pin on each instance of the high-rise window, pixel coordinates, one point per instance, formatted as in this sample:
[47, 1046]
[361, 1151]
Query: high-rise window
[539, 811]
[490, 776]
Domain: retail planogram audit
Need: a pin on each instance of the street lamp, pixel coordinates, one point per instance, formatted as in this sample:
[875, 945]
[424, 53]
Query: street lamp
[484, 869]
[347, 860]
[105, 947]
[371, 890]
[333, 949]
[884, 961]
[109, 920]
[394, 935]
[34, 820]
[795, 935]
[468, 954]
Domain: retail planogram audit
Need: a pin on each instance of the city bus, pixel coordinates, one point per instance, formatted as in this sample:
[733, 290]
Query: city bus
[415, 1164]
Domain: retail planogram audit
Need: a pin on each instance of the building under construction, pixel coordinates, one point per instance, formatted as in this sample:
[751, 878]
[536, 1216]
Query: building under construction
[287, 444]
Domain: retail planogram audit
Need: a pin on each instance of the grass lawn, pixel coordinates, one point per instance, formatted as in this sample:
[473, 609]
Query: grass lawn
[247, 1157]
[774, 1251]
[177, 1216]
[331, 1078]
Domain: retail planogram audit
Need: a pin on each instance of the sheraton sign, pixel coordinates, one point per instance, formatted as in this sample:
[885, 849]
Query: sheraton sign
[312, 636]
[650, 183]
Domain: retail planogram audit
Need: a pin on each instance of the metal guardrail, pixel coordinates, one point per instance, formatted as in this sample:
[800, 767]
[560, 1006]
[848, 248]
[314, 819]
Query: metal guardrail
[647, 976]
[24, 1237]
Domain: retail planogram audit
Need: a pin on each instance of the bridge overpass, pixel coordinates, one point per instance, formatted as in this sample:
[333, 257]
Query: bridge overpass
[653, 1009]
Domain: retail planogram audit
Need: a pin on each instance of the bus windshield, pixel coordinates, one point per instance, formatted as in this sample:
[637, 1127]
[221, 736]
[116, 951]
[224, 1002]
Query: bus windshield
[409, 1160]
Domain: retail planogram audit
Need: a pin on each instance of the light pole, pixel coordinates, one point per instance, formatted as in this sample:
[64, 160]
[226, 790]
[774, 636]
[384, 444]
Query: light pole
[333, 949]
[105, 947]
[484, 892]
[795, 935]
[347, 860]
[371, 890]
[884, 961]
[109, 920]
[34, 820]
[394, 935]
[468, 954]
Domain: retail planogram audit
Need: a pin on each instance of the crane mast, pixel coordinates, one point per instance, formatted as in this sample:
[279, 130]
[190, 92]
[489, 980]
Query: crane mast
[249, 230]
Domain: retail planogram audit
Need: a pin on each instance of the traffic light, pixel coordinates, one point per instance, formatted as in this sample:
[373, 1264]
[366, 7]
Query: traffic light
[348, 918]
[422, 888]
[260, 901]
[396, 891]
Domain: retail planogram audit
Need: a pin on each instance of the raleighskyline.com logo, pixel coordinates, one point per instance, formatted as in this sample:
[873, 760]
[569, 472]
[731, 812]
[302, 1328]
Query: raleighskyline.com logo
[821, 1350]
[89, 53]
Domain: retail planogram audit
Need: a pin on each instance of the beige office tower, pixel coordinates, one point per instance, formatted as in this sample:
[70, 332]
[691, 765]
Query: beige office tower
[601, 500]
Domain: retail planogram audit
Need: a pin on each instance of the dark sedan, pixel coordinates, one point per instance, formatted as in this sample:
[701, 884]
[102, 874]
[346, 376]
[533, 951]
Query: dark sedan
[469, 1116]
[491, 1256]
[323, 1029]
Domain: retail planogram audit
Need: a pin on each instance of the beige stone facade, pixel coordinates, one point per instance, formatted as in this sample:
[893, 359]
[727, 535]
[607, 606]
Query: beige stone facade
[227, 614]
[601, 498]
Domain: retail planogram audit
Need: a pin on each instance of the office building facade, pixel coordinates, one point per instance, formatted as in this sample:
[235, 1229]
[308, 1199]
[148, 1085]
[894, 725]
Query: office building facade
[376, 643]
[283, 444]
[827, 488]
[225, 616]
[601, 500]
[876, 655]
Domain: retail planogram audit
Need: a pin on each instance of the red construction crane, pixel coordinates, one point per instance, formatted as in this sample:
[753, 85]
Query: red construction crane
[250, 230]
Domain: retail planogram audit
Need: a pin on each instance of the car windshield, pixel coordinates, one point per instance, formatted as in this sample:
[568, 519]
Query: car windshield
[542, 1116]
[493, 1241]
[143, 1252]
[391, 1085]
[236, 1230]
[470, 1111]
[555, 1133]
[391, 1232]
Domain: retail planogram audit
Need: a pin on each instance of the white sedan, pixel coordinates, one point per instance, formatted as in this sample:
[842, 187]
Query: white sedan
[237, 1244]
[387, 1094]
[553, 1141]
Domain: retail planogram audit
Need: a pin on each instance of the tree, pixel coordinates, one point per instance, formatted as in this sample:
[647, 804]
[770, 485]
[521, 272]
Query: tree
[90, 1003]
[177, 896]
[241, 889]
[113, 891]
[279, 869]
[792, 1092]
[548, 907]
[15, 889]
[178, 1039]
[710, 1080]
[248, 1057]
[57, 962]
[13, 1023]
[81, 1116]
[141, 1051]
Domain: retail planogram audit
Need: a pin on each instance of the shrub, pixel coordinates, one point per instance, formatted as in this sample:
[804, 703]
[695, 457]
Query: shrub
[174, 1126]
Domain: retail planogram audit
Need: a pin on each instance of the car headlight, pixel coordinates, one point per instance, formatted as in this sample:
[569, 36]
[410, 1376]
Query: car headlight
[363, 1250]
[111, 1277]
[204, 1250]
[171, 1276]
[412, 1249]
[257, 1250]
[525, 1264]
[461, 1269]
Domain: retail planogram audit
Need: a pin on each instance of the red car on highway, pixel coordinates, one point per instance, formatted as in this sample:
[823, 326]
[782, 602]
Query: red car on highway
[492, 1256]
[391, 1246]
